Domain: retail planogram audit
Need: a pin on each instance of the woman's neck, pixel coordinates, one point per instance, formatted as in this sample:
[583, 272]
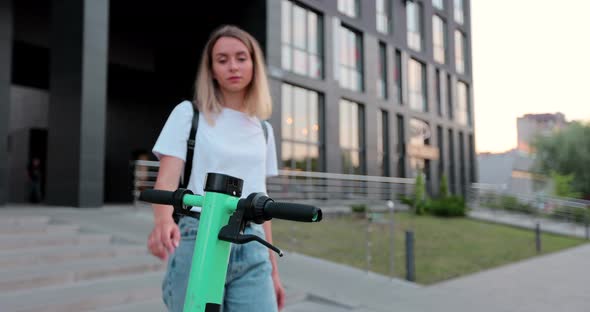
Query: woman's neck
[234, 100]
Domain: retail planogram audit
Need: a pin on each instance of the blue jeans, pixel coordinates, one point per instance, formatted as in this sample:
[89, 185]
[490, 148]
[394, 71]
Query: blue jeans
[248, 285]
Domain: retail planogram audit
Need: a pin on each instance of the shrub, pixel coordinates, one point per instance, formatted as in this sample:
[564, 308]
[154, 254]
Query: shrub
[512, 203]
[406, 200]
[451, 206]
[360, 208]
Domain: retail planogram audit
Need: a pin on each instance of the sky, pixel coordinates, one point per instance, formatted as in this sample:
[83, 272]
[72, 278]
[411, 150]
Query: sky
[529, 56]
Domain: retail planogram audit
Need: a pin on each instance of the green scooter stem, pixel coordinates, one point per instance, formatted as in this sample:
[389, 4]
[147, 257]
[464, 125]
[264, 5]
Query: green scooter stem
[211, 255]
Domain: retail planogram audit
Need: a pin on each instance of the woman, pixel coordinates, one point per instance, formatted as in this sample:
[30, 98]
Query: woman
[232, 97]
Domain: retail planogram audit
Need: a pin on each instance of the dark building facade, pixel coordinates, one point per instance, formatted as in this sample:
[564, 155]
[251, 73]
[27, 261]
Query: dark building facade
[361, 87]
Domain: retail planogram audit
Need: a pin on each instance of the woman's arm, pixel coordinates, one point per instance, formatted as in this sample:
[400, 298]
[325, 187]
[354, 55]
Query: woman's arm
[168, 177]
[165, 236]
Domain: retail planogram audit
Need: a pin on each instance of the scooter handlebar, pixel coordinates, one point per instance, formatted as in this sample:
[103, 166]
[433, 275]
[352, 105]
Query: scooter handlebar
[293, 212]
[157, 197]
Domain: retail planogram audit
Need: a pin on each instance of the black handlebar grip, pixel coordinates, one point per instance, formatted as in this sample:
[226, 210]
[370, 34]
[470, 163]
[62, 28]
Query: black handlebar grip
[293, 212]
[157, 197]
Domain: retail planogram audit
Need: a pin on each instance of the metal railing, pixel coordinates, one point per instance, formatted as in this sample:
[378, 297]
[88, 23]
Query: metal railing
[306, 186]
[497, 198]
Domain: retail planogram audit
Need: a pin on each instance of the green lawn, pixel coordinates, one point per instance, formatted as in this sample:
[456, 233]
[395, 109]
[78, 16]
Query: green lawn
[444, 248]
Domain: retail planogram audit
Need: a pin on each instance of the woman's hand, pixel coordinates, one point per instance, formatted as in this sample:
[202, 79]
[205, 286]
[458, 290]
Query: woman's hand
[164, 238]
[279, 291]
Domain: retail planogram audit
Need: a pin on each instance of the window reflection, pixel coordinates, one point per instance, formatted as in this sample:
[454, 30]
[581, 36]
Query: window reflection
[383, 9]
[349, 7]
[459, 52]
[351, 137]
[414, 25]
[439, 39]
[350, 60]
[301, 124]
[417, 85]
[301, 40]
[439, 4]
[462, 109]
[459, 15]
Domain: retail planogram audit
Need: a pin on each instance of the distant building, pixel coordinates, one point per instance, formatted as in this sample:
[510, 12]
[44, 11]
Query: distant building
[530, 126]
[513, 169]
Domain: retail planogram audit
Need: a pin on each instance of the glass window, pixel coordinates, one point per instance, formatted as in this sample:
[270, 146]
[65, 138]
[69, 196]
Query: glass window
[383, 143]
[414, 25]
[382, 69]
[383, 16]
[351, 60]
[459, 15]
[352, 137]
[301, 125]
[301, 40]
[349, 7]
[460, 52]
[439, 39]
[398, 76]
[417, 86]
[438, 4]
[462, 108]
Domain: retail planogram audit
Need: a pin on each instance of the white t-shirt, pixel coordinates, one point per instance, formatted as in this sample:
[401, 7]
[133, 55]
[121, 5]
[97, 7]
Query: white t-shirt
[235, 146]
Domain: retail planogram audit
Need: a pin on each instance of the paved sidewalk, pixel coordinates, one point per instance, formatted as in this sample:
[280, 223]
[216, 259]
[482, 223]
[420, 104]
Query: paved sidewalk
[540, 284]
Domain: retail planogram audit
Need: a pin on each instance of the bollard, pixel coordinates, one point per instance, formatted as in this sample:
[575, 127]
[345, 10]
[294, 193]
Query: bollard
[410, 269]
[587, 224]
[368, 248]
[538, 237]
[391, 207]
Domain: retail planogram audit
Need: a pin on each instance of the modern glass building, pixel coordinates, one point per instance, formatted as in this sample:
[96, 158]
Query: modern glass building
[371, 87]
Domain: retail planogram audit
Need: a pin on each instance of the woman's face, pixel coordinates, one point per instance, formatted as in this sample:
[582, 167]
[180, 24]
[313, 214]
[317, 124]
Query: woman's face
[232, 64]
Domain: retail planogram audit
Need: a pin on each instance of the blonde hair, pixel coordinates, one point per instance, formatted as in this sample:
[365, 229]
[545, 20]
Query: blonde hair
[207, 94]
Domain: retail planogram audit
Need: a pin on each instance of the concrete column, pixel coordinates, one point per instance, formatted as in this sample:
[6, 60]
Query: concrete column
[6, 34]
[77, 112]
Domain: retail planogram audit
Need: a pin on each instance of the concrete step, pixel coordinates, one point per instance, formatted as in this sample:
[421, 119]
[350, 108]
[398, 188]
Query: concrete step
[23, 220]
[57, 254]
[37, 240]
[32, 228]
[153, 305]
[86, 296]
[14, 279]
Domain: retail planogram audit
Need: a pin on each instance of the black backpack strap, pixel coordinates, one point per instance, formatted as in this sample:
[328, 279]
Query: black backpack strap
[188, 164]
[265, 130]
[190, 149]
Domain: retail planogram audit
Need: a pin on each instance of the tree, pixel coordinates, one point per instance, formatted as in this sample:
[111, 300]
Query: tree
[563, 185]
[567, 152]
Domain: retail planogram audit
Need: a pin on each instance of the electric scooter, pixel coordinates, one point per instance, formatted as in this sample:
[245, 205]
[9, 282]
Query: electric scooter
[222, 219]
